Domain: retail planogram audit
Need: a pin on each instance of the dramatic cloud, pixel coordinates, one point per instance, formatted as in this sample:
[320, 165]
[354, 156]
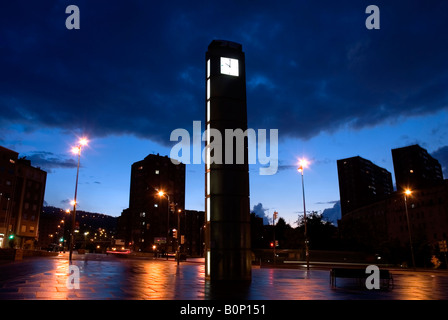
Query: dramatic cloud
[48, 161]
[137, 67]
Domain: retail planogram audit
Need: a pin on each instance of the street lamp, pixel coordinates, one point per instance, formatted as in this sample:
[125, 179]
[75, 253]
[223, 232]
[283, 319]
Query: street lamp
[303, 163]
[274, 216]
[179, 236]
[161, 194]
[76, 150]
[407, 193]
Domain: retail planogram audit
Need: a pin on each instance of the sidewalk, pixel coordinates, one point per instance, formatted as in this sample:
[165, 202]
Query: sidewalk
[104, 277]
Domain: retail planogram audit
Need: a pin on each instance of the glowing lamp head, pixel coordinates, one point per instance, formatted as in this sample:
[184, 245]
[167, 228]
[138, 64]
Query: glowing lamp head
[83, 142]
[73, 202]
[161, 193]
[75, 150]
[303, 163]
[407, 192]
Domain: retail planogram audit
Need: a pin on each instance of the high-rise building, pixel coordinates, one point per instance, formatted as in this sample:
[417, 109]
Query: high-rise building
[151, 217]
[22, 190]
[228, 250]
[415, 168]
[361, 183]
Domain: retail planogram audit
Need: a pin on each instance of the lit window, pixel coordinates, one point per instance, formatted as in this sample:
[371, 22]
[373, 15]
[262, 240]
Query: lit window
[208, 68]
[208, 134]
[207, 150]
[208, 209]
[208, 111]
[208, 262]
[208, 183]
[208, 89]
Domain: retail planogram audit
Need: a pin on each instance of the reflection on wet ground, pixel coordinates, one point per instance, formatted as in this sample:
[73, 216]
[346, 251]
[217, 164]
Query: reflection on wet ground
[108, 277]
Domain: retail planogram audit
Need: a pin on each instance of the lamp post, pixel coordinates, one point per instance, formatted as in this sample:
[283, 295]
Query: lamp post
[75, 150]
[274, 216]
[302, 164]
[407, 193]
[161, 194]
[179, 235]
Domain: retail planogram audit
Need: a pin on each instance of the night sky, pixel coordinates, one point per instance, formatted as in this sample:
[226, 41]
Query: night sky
[135, 71]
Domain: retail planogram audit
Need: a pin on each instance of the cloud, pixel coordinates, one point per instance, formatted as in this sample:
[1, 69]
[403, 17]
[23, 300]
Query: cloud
[328, 202]
[137, 67]
[48, 161]
[332, 214]
[261, 212]
[441, 155]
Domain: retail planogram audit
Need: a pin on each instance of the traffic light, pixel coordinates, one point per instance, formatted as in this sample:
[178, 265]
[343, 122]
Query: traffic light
[11, 236]
[175, 233]
[272, 244]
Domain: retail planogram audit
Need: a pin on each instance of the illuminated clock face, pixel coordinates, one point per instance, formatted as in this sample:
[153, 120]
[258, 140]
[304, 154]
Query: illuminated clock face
[229, 66]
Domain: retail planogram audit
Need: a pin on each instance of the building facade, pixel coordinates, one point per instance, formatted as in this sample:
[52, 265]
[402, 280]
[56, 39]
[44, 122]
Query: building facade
[22, 190]
[152, 219]
[361, 182]
[390, 224]
[382, 226]
[415, 168]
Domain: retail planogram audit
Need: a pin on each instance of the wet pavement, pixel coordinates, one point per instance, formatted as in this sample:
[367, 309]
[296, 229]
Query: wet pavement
[108, 277]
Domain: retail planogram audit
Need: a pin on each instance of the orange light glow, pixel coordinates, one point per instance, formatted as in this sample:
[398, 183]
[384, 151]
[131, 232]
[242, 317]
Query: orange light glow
[303, 163]
[83, 142]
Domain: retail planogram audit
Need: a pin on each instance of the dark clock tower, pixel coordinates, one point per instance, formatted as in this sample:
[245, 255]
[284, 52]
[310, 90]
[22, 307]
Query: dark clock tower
[228, 251]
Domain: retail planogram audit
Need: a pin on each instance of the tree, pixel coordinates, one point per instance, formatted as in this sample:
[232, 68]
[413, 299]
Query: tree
[321, 233]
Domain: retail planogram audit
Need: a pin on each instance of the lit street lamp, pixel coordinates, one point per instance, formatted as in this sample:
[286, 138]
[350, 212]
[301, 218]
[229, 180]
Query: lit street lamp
[407, 193]
[303, 163]
[75, 150]
[161, 194]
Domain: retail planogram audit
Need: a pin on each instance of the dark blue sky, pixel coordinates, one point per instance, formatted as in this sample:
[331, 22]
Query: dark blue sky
[135, 71]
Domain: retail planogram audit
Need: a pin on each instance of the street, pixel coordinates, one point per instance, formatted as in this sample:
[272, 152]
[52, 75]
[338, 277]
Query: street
[104, 277]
